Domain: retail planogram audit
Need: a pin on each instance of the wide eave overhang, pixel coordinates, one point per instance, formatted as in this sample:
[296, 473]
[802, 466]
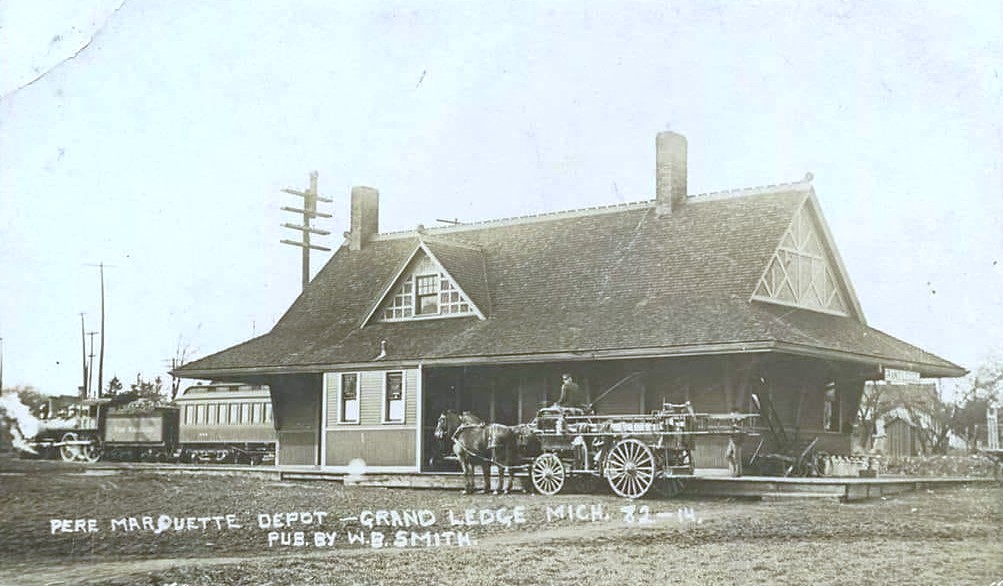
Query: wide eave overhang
[925, 370]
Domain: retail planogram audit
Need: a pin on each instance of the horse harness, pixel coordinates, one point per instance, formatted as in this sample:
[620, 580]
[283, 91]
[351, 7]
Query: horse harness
[494, 441]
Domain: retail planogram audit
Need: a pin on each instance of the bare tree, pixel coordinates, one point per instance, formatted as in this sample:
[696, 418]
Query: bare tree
[919, 402]
[183, 352]
[984, 387]
[933, 419]
[873, 406]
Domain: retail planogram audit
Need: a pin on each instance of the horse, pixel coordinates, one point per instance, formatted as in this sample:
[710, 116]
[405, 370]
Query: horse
[477, 442]
[449, 421]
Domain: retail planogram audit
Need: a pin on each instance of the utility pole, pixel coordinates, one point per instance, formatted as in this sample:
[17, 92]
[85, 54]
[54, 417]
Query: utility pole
[101, 359]
[85, 389]
[101, 355]
[90, 368]
[309, 211]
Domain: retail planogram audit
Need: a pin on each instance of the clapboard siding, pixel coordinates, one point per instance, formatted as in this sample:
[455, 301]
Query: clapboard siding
[375, 447]
[392, 443]
[371, 397]
[411, 396]
[332, 380]
[371, 389]
[297, 448]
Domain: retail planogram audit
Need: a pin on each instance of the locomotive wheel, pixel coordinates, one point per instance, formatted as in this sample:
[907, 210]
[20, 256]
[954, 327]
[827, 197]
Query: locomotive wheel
[91, 453]
[88, 453]
[548, 474]
[630, 468]
[69, 453]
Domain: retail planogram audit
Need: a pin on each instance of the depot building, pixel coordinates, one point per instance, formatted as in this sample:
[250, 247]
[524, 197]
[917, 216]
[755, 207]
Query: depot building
[704, 298]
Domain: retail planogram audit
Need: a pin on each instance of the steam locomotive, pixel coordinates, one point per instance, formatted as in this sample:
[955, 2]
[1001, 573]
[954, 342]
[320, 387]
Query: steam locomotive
[224, 423]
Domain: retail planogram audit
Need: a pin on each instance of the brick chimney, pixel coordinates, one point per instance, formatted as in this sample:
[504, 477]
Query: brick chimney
[670, 172]
[365, 221]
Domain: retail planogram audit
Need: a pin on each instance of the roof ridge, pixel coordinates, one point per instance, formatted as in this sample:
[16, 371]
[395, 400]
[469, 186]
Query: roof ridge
[508, 221]
[451, 241]
[802, 185]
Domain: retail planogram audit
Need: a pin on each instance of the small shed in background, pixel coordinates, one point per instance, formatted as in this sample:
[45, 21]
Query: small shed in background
[900, 437]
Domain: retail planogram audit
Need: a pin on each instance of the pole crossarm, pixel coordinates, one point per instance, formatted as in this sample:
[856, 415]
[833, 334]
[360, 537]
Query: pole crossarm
[308, 195]
[308, 212]
[307, 229]
[301, 245]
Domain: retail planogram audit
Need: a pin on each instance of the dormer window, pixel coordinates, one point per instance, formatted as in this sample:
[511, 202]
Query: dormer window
[424, 290]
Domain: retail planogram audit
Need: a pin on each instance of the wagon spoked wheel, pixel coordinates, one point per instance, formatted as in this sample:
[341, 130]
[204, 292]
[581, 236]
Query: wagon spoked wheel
[630, 468]
[548, 474]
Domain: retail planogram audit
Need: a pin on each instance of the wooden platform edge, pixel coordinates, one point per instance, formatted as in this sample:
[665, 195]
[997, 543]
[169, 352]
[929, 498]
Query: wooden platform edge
[709, 484]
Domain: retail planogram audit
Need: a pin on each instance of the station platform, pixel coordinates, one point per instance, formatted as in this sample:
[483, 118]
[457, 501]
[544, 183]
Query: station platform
[709, 482]
[705, 482]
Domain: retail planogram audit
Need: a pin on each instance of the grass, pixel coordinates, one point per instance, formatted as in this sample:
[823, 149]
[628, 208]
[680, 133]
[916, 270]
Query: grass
[945, 537]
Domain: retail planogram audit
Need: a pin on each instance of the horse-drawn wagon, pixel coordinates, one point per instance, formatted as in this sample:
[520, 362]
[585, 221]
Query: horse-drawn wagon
[632, 453]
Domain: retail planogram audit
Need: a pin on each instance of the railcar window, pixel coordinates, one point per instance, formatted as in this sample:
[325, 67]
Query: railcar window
[200, 414]
[245, 412]
[256, 413]
[189, 414]
[213, 410]
[268, 412]
[393, 411]
[234, 413]
[223, 412]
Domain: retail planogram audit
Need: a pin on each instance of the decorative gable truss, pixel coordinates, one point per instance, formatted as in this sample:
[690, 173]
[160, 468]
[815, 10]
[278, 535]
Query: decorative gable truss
[423, 289]
[800, 273]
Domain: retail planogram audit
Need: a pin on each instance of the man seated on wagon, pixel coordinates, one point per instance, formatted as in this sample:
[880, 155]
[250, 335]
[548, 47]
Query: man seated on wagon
[571, 401]
[571, 393]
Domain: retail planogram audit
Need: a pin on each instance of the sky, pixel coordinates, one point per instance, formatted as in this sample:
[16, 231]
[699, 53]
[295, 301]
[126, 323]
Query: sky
[156, 138]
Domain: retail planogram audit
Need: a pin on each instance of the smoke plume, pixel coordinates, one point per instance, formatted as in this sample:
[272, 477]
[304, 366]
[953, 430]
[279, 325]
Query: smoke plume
[23, 425]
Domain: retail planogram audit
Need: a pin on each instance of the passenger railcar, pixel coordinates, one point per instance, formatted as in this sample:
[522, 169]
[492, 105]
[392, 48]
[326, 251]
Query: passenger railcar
[226, 423]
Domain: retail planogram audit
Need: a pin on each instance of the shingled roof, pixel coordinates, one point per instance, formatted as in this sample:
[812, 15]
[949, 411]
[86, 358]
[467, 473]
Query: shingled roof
[623, 281]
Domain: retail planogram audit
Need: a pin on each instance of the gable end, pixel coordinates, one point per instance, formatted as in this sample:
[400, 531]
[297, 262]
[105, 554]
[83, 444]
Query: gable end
[422, 289]
[805, 271]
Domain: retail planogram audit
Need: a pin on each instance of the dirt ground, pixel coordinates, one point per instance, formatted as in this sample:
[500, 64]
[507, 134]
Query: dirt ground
[69, 524]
